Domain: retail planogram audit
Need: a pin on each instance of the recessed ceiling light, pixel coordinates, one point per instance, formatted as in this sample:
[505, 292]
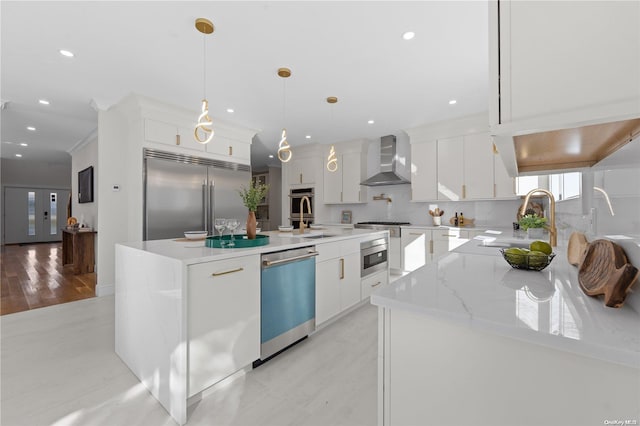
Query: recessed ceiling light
[31, 128]
[270, 155]
[23, 144]
[229, 110]
[452, 102]
[66, 53]
[408, 35]
[18, 155]
[370, 122]
[44, 102]
[308, 136]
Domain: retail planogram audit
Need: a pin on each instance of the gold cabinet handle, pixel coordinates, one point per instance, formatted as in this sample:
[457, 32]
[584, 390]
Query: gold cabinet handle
[230, 150]
[431, 246]
[177, 139]
[341, 196]
[464, 191]
[417, 233]
[376, 284]
[231, 271]
[495, 191]
[300, 177]
[449, 235]
[341, 269]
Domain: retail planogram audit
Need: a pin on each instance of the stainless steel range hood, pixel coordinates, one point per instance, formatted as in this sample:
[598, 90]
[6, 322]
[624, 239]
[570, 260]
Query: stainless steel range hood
[388, 159]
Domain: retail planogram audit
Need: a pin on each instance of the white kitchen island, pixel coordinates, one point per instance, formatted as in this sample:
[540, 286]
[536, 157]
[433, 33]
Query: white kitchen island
[188, 316]
[468, 340]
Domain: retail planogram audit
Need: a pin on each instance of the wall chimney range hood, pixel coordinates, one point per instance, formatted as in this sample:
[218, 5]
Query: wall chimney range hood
[388, 159]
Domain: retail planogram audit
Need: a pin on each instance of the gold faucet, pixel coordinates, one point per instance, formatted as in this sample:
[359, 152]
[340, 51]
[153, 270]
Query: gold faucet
[553, 232]
[302, 200]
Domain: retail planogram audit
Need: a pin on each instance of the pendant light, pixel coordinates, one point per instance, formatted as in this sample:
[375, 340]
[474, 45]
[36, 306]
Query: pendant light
[284, 149]
[203, 132]
[332, 159]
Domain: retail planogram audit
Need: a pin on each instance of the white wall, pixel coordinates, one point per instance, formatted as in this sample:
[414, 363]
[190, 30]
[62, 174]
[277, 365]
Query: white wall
[84, 155]
[37, 174]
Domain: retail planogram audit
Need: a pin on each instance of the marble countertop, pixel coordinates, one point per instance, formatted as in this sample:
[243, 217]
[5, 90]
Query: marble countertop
[475, 286]
[192, 252]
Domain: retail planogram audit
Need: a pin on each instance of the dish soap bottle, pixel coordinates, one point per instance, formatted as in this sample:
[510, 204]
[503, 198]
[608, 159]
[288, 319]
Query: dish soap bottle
[461, 220]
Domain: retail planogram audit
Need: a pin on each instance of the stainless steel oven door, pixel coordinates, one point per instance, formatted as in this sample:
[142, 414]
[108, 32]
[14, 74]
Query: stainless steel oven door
[373, 256]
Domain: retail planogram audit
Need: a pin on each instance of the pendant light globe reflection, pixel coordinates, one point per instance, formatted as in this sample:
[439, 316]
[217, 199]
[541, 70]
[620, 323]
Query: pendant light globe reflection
[284, 150]
[332, 160]
[203, 131]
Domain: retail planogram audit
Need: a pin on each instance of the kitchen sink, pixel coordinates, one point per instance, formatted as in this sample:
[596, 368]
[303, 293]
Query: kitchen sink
[316, 236]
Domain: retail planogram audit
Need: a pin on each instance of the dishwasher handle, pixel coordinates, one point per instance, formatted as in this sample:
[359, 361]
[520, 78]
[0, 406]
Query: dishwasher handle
[268, 263]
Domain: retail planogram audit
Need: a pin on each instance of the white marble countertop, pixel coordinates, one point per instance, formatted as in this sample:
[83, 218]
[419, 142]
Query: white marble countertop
[192, 252]
[475, 286]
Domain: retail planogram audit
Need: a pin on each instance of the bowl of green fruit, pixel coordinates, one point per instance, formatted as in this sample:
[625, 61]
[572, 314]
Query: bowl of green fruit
[537, 257]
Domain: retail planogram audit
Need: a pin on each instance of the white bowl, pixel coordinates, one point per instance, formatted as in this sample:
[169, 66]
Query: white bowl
[195, 235]
[285, 228]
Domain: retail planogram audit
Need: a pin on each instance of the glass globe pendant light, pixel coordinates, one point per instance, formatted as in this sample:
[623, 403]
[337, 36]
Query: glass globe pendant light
[332, 159]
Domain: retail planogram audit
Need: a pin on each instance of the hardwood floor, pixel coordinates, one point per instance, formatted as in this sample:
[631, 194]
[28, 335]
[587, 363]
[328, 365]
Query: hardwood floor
[33, 277]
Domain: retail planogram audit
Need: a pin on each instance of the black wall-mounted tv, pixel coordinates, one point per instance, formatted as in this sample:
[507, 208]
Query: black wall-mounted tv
[85, 185]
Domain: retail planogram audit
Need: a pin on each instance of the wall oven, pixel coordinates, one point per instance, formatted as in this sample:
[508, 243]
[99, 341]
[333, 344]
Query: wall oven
[295, 196]
[373, 256]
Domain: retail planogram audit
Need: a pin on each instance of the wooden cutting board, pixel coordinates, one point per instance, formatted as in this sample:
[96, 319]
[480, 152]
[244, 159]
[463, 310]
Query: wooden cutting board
[576, 248]
[606, 270]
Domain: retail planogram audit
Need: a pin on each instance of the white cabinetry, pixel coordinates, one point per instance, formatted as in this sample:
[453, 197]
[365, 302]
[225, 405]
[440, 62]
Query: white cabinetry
[447, 239]
[337, 278]
[374, 282]
[223, 319]
[450, 168]
[343, 185]
[504, 185]
[424, 171]
[417, 248]
[395, 253]
[570, 72]
[302, 170]
[478, 167]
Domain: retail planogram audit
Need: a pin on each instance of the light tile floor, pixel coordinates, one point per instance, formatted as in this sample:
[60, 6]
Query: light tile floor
[58, 367]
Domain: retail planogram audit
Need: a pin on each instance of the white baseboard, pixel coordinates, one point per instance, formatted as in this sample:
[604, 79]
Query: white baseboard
[105, 289]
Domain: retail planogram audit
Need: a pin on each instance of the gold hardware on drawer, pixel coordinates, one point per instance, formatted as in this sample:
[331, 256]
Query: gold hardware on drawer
[177, 139]
[494, 190]
[341, 269]
[431, 246]
[376, 284]
[230, 150]
[417, 233]
[300, 177]
[449, 235]
[231, 271]
[464, 191]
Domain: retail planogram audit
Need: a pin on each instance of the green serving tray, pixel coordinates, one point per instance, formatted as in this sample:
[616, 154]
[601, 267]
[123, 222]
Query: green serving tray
[240, 240]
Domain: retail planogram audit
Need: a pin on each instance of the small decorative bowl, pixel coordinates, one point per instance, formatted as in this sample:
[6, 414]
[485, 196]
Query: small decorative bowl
[531, 262]
[195, 235]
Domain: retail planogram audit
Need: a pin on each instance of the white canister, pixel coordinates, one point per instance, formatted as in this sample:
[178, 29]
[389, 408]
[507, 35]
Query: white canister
[437, 220]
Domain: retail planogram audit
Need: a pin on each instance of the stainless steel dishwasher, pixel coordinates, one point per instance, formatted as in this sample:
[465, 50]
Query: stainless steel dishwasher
[287, 299]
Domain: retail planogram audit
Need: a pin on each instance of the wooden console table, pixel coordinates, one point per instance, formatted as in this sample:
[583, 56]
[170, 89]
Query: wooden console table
[78, 250]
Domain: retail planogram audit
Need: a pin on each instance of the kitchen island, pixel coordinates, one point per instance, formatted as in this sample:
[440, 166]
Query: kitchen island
[470, 340]
[188, 316]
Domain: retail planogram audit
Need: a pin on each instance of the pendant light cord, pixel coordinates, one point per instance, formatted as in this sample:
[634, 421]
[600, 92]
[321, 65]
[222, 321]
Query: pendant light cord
[204, 65]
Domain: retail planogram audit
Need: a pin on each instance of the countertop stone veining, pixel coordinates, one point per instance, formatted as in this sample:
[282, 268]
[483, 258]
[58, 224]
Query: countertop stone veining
[474, 285]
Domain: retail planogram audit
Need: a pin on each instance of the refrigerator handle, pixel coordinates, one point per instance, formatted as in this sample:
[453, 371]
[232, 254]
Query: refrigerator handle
[204, 205]
[211, 206]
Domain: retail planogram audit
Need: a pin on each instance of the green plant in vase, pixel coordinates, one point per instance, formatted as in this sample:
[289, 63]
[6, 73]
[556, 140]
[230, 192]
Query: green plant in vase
[251, 197]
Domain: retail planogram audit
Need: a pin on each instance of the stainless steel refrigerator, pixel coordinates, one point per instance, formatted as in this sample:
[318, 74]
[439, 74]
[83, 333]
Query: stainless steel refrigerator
[186, 193]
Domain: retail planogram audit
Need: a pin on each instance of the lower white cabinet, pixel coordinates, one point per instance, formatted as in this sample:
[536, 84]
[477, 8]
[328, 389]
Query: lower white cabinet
[395, 251]
[447, 239]
[373, 282]
[417, 248]
[337, 278]
[223, 319]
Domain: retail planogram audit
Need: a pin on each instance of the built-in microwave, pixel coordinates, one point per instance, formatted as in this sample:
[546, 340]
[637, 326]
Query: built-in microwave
[295, 197]
[373, 256]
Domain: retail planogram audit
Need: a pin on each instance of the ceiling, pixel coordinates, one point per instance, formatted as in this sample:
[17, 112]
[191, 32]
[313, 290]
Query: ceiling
[351, 50]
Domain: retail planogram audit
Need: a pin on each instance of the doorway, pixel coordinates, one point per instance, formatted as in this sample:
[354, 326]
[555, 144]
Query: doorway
[34, 215]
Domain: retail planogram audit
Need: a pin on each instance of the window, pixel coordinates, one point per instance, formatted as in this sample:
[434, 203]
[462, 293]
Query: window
[563, 186]
[31, 212]
[53, 205]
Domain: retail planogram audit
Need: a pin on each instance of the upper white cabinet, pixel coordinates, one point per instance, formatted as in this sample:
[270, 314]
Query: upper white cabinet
[424, 170]
[302, 170]
[343, 185]
[563, 62]
[456, 160]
